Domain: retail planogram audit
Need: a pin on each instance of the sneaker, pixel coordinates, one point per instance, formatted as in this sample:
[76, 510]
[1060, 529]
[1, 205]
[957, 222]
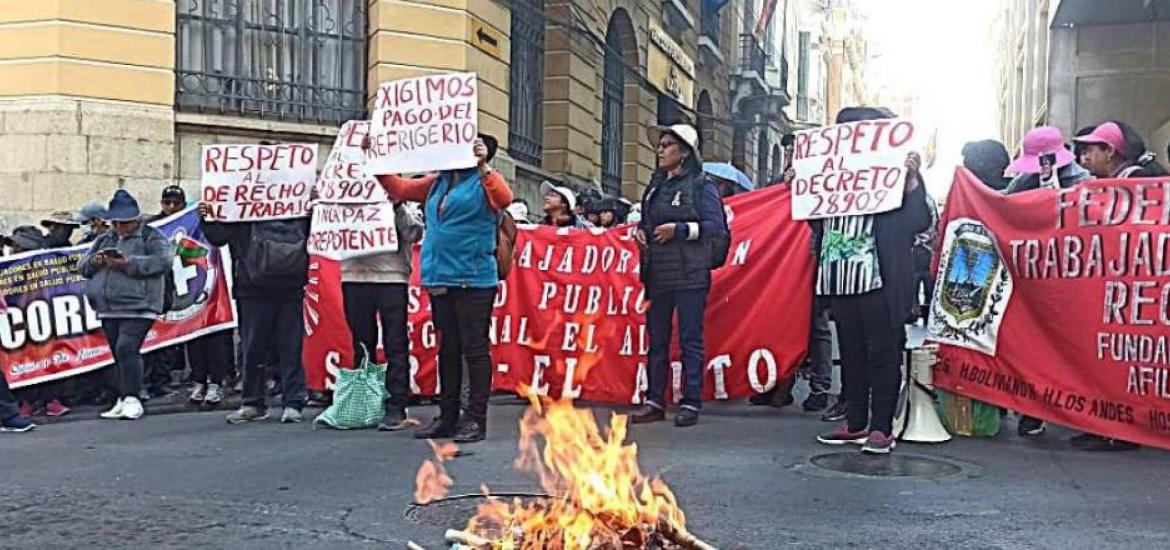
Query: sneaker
[291, 416]
[115, 411]
[247, 414]
[1090, 442]
[439, 429]
[1029, 427]
[394, 420]
[198, 393]
[470, 432]
[317, 400]
[842, 436]
[214, 395]
[132, 409]
[17, 424]
[836, 413]
[878, 443]
[686, 417]
[647, 414]
[56, 408]
[27, 409]
[816, 402]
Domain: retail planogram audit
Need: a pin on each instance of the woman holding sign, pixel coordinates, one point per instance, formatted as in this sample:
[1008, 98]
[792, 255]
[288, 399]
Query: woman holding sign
[459, 270]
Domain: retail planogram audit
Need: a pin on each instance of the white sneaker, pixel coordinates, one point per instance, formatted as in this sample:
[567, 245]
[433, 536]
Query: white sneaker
[116, 410]
[214, 395]
[132, 409]
[198, 393]
[291, 416]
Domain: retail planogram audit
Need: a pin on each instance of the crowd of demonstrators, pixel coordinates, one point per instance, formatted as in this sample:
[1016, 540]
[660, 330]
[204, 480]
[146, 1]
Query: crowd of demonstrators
[683, 213]
[460, 273]
[125, 268]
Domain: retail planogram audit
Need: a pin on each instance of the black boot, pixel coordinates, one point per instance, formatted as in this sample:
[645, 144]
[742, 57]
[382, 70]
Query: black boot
[646, 414]
[471, 432]
[440, 428]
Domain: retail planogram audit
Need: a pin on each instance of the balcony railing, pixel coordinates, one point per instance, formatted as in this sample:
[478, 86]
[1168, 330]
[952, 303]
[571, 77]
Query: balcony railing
[751, 55]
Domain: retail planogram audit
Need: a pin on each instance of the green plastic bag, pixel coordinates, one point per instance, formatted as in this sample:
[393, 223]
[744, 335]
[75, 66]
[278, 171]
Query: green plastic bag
[967, 417]
[358, 398]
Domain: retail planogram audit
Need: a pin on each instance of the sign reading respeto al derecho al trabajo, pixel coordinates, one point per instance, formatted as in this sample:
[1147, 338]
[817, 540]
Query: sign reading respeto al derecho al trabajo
[251, 182]
[48, 331]
[851, 169]
[1056, 304]
[424, 124]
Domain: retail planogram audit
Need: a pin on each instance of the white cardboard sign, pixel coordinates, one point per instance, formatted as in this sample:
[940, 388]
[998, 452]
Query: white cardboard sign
[345, 180]
[252, 182]
[343, 231]
[424, 124]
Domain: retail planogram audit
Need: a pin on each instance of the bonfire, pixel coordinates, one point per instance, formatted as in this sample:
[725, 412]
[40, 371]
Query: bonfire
[598, 497]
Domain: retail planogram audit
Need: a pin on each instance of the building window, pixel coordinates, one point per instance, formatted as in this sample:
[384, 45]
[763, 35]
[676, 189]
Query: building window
[710, 22]
[706, 126]
[762, 149]
[802, 68]
[613, 104]
[296, 60]
[526, 104]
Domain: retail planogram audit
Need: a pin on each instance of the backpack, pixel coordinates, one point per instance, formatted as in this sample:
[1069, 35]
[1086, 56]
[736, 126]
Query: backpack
[276, 249]
[720, 244]
[505, 244]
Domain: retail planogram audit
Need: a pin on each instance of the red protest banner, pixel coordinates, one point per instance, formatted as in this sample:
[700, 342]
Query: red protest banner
[851, 169]
[1056, 304]
[49, 332]
[244, 183]
[569, 321]
[424, 124]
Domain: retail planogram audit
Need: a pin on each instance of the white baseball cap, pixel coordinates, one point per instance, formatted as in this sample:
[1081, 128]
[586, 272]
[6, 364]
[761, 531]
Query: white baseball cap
[684, 132]
[568, 194]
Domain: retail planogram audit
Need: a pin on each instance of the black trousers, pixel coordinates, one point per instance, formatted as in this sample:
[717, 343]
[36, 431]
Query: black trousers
[208, 357]
[125, 337]
[271, 332]
[365, 304]
[462, 316]
[871, 359]
[8, 406]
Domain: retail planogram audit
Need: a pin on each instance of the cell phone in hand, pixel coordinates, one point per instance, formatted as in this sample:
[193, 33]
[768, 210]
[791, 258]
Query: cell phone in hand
[111, 253]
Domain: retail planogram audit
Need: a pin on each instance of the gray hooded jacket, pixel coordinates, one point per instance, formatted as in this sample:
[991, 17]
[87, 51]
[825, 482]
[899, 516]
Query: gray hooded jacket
[137, 291]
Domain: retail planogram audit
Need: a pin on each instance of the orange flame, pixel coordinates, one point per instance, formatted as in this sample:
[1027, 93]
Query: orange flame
[432, 482]
[602, 499]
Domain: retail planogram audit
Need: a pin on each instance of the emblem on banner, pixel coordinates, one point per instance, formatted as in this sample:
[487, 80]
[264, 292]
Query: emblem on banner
[973, 290]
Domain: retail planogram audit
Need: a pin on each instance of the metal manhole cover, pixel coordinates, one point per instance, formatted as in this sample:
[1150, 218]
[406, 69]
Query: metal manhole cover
[453, 512]
[892, 465]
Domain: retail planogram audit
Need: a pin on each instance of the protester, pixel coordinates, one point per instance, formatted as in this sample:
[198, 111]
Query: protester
[460, 273]
[560, 207]
[91, 217]
[635, 214]
[125, 268]
[270, 268]
[788, 144]
[988, 159]
[374, 288]
[1115, 150]
[60, 226]
[869, 282]
[173, 201]
[10, 418]
[160, 363]
[607, 213]
[683, 214]
[923, 255]
[519, 211]
[1045, 140]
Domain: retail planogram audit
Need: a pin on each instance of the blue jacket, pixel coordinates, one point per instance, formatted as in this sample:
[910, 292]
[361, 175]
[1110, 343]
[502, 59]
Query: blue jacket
[459, 249]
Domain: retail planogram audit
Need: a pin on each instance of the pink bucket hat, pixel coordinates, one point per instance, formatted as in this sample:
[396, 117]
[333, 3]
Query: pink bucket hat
[1041, 141]
[1107, 133]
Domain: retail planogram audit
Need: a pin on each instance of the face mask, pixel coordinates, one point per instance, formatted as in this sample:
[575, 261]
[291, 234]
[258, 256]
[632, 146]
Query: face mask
[634, 217]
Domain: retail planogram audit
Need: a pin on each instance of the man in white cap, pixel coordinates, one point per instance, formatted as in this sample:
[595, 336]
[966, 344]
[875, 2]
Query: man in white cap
[560, 207]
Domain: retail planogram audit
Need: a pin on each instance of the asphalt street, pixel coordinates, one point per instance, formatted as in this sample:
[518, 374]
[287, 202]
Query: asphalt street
[745, 477]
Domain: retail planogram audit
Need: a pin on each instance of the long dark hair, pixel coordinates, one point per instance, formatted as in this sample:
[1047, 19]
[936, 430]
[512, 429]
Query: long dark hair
[1136, 154]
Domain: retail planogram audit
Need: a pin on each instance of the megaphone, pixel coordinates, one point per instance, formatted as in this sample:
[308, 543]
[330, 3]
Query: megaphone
[917, 419]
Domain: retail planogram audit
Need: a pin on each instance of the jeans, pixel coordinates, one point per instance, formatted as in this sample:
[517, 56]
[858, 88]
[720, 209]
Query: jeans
[125, 337]
[271, 332]
[820, 349]
[690, 305]
[462, 317]
[365, 304]
[871, 360]
[208, 357]
[8, 406]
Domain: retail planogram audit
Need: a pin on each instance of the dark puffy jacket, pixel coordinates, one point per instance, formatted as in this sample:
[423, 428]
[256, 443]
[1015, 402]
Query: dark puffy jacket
[237, 236]
[681, 263]
[138, 290]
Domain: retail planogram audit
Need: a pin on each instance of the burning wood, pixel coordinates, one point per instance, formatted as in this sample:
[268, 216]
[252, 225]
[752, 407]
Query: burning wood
[603, 501]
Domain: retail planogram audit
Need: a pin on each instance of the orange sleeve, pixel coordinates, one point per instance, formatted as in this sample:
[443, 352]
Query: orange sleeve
[498, 193]
[408, 189]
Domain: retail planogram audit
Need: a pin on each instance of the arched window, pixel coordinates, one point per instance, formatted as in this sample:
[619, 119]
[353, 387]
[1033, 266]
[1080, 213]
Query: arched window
[762, 150]
[777, 166]
[526, 102]
[618, 36]
[706, 127]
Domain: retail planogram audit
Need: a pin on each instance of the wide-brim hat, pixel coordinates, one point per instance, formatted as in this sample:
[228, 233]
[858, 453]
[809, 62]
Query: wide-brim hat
[568, 194]
[492, 144]
[123, 207]
[684, 132]
[1045, 140]
[26, 236]
[59, 217]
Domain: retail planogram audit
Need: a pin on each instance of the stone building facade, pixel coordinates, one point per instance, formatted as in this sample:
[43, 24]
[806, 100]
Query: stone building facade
[97, 95]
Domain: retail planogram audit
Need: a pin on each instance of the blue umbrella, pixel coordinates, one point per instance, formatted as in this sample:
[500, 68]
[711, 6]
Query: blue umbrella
[726, 171]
